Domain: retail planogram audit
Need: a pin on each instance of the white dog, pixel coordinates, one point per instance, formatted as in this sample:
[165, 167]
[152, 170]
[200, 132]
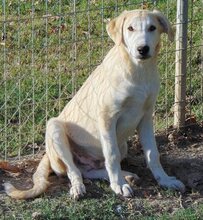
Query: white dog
[89, 137]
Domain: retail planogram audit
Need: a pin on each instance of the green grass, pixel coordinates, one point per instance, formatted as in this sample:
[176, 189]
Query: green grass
[106, 207]
[64, 208]
[45, 59]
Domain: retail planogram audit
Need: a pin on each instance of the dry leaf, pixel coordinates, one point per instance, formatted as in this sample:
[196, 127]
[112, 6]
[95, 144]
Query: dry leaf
[6, 166]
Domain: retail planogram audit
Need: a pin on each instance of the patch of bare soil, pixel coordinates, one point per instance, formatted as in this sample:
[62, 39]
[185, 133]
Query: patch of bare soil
[181, 156]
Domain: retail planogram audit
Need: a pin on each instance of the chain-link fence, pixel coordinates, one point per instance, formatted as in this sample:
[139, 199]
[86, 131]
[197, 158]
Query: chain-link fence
[48, 48]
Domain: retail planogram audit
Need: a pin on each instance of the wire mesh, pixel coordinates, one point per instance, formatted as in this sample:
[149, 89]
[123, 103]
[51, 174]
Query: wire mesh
[50, 47]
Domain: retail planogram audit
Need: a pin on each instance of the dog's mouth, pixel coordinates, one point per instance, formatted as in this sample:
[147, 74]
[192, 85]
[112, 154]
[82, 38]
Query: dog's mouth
[143, 57]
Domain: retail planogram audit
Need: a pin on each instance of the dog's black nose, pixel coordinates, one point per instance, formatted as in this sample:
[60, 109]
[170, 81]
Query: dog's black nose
[143, 50]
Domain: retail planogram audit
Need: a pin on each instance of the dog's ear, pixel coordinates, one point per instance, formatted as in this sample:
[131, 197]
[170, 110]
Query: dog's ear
[115, 28]
[165, 24]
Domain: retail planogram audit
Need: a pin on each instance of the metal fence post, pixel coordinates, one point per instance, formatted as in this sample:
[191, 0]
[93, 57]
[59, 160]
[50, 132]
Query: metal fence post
[181, 63]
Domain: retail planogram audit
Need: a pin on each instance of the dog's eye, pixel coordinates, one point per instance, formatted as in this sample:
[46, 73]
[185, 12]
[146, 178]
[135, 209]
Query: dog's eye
[130, 28]
[152, 28]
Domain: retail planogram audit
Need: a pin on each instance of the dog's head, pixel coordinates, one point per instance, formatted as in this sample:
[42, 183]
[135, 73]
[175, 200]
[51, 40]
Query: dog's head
[139, 31]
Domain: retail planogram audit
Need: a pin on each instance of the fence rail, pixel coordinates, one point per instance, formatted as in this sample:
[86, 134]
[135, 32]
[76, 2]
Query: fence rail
[48, 48]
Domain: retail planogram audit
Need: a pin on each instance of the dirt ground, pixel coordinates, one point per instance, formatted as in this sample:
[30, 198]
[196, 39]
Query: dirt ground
[181, 156]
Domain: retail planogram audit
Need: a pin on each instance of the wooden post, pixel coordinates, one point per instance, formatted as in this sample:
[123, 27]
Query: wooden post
[181, 63]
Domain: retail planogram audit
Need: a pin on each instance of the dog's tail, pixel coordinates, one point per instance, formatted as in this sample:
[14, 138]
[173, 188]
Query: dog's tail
[40, 180]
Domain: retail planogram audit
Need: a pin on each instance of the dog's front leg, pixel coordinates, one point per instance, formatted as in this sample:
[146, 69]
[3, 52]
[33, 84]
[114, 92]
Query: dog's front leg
[147, 139]
[112, 157]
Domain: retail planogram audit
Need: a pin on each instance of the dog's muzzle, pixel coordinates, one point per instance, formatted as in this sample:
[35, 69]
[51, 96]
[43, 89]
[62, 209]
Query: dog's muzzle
[143, 52]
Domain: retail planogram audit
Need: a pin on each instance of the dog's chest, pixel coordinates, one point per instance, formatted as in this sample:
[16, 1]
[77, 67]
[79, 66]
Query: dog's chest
[139, 100]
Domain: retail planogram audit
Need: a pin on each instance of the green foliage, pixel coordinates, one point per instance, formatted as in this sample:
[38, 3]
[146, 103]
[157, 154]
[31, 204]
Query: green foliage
[49, 48]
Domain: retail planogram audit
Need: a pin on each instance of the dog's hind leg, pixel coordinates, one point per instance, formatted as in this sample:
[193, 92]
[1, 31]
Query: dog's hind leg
[57, 140]
[102, 174]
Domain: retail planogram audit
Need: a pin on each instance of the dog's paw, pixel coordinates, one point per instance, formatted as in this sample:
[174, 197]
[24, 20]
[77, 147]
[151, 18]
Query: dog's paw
[132, 178]
[172, 183]
[77, 191]
[124, 189]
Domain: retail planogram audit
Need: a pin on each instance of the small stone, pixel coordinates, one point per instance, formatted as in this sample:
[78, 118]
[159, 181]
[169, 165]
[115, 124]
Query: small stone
[36, 215]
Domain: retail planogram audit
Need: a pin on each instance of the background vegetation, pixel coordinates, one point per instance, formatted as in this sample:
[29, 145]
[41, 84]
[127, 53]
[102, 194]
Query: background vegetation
[49, 48]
